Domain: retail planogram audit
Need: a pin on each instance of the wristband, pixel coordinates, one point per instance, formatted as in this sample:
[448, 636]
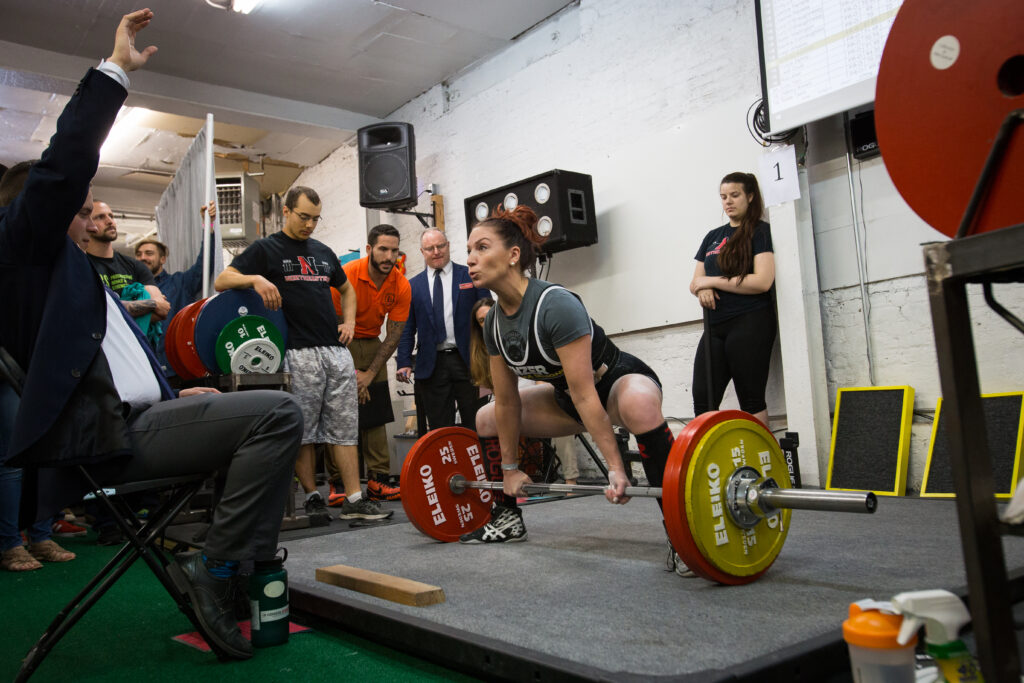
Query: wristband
[509, 467]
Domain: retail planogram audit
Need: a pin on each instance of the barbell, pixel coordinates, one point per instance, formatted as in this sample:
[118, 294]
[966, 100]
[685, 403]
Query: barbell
[726, 495]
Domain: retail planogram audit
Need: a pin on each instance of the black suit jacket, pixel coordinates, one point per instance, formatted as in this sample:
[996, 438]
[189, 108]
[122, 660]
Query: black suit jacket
[420, 325]
[53, 315]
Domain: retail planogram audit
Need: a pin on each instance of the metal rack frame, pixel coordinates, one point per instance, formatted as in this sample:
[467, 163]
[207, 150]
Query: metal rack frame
[950, 266]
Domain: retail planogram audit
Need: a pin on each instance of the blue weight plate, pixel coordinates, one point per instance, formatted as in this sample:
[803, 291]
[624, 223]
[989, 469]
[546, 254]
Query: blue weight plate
[222, 309]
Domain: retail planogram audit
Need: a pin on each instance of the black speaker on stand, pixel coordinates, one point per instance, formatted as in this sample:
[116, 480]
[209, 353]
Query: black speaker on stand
[387, 166]
[563, 201]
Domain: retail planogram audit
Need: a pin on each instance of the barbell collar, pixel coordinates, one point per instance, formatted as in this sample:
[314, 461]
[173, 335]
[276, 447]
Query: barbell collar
[769, 498]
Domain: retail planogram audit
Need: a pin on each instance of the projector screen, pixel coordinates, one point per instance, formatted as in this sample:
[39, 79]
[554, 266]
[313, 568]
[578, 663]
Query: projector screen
[819, 57]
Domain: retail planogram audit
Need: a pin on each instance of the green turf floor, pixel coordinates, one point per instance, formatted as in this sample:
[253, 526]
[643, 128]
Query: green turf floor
[127, 635]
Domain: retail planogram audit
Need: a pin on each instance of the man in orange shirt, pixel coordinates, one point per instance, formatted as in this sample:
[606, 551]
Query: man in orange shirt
[381, 291]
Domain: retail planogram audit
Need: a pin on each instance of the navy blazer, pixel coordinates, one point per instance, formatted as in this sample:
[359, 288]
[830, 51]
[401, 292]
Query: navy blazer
[420, 323]
[53, 317]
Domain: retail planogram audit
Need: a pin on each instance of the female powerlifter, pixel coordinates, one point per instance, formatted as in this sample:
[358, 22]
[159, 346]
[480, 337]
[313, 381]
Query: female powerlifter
[541, 331]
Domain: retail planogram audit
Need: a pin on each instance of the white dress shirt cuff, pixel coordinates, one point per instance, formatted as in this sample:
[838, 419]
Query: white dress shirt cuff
[115, 72]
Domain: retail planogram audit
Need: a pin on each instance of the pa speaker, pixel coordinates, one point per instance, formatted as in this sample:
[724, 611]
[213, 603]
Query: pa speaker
[563, 201]
[387, 166]
[862, 135]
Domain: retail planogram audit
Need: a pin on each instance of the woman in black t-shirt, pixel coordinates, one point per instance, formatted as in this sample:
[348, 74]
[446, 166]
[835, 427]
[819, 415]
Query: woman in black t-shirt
[735, 283]
[542, 332]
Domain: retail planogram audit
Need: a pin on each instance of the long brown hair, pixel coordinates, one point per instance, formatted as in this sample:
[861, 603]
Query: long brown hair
[479, 360]
[517, 228]
[736, 256]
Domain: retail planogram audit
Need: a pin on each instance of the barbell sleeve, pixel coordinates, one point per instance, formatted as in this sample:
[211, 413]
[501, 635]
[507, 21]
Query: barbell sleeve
[806, 499]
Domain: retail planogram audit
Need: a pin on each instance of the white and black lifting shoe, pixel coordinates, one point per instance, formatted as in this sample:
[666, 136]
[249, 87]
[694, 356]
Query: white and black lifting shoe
[505, 526]
[675, 564]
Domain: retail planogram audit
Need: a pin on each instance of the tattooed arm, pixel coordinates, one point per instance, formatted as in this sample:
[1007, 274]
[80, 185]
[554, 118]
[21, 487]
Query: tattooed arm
[140, 307]
[387, 347]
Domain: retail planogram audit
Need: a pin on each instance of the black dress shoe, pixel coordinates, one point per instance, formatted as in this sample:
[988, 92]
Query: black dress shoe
[213, 602]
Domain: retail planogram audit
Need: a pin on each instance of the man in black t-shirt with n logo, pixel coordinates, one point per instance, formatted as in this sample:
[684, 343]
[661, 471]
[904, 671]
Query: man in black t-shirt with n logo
[293, 272]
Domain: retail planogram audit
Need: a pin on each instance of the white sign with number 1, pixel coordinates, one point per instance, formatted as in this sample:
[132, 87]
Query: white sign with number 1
[779, 182]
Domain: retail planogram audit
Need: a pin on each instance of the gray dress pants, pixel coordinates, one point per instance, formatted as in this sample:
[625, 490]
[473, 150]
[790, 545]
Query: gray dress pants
[249, 437]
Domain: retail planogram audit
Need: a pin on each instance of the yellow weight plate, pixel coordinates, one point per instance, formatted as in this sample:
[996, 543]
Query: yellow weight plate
[728, 547]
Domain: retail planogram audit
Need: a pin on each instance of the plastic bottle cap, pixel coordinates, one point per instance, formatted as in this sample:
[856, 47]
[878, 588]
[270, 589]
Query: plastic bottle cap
[874, 629]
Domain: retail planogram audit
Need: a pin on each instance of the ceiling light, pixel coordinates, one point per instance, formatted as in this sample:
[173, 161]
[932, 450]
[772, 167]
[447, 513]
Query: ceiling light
[126, 134]
[241, 6]
[244, 6]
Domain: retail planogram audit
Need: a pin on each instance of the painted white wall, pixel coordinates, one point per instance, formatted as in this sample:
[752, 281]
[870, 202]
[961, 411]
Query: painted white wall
[649, 97]
[900, 327]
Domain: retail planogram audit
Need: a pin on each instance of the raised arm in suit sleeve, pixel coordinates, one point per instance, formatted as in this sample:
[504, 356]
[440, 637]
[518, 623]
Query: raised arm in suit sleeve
[36, 223]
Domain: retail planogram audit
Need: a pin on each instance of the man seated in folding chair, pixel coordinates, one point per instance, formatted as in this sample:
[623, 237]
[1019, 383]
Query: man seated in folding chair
[93, 392]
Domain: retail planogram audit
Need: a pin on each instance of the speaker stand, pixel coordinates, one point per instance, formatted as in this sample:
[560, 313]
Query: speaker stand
[437, 216]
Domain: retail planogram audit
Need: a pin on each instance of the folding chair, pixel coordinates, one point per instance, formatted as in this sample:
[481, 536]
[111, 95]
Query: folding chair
[143, 542]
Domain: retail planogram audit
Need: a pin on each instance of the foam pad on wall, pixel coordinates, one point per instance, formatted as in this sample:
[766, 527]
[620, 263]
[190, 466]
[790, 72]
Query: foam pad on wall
[1004, 431]
[871, 440]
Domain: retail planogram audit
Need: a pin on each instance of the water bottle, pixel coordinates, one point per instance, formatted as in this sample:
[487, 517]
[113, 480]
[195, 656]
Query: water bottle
[876, 655]
[268, 595]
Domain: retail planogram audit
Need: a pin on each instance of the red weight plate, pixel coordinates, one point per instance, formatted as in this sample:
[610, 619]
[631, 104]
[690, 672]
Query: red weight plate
[674, 496]
[170, 349]
[428, 500]
[173, 341]
[186, 341]
[950, 73]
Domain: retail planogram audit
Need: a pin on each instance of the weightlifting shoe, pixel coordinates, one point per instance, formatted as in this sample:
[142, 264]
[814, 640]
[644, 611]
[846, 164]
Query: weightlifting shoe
[505, 526]
[379, 488]
[213, 602]
[363, 508]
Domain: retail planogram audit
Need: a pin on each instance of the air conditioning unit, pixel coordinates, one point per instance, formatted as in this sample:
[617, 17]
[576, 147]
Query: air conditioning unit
[238, 208]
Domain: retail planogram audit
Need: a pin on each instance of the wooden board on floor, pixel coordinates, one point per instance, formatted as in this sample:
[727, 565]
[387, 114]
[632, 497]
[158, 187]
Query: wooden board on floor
[393, 588]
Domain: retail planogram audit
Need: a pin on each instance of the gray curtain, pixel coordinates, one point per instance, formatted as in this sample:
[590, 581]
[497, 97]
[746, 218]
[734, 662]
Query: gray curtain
[177, 215]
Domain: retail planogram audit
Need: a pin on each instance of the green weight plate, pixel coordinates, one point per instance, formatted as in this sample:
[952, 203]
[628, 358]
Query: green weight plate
[241, 330]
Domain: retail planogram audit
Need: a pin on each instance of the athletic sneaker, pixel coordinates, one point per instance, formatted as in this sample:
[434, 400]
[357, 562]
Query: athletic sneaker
[337, 496]
[65, 529]
[363, 508]
[675, 564]
[316, 510]
[110, 534]
[505, 526]
[379, 488]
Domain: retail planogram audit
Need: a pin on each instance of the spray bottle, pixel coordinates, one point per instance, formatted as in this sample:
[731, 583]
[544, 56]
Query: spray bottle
[943, 615]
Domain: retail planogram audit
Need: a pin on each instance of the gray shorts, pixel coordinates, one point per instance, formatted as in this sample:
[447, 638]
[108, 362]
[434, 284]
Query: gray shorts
[324, 384]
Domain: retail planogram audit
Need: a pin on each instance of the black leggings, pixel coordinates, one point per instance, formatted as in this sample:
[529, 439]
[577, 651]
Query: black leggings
[741, 350]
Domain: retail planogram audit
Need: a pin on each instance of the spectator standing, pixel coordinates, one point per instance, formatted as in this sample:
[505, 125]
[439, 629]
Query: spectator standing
[438, 328]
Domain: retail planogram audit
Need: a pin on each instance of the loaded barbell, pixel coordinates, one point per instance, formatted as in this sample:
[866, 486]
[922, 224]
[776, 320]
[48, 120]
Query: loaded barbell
[726, 493]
